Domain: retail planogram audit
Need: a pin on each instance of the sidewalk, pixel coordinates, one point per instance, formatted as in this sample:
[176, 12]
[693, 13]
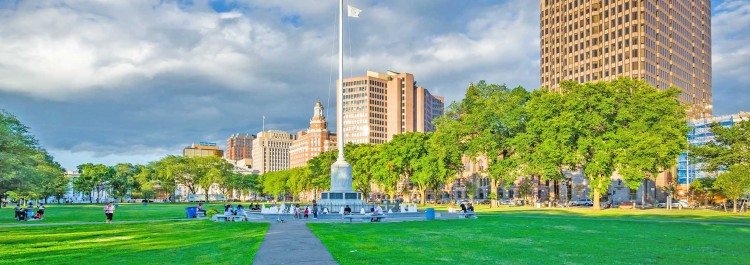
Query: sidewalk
[292, 243]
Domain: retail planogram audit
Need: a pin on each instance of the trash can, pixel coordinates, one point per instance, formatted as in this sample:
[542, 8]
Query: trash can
[145, 203]
[117, 205]
[430, 213]
[191, 211]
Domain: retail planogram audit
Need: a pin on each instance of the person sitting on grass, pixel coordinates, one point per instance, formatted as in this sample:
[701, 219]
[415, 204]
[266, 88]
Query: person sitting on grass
[347, 210]
[30, 209]
[471, 208]
[39, 212]
[463, 208]
[20, 213]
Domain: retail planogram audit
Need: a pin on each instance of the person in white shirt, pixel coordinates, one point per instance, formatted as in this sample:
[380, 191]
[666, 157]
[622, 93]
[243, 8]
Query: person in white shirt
[109, 211]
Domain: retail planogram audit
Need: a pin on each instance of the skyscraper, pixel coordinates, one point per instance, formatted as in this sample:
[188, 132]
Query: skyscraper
[239, 146]
[380, 105]
[313, 141]
[666, 43]
[271, 151]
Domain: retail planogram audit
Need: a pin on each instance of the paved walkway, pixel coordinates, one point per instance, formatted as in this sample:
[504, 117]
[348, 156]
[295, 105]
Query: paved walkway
[292, 243]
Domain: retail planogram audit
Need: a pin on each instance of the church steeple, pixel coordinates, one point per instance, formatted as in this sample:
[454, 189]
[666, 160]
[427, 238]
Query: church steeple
[318, 121]
[318, 110]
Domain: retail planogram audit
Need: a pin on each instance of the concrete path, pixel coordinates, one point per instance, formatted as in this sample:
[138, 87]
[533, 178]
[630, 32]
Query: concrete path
[292, 243]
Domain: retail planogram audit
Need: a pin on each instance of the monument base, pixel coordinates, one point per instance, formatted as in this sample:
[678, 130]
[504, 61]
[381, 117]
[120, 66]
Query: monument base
[335, 201]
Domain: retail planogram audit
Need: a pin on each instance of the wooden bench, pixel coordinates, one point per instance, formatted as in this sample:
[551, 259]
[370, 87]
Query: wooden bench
[227, 218]
[466, 215]
[365, 217]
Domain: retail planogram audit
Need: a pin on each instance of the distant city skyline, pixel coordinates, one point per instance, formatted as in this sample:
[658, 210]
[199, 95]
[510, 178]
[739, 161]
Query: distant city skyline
[134, 81]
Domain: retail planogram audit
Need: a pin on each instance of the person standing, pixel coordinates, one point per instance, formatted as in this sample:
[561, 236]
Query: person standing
[315, 210]
[109, 211]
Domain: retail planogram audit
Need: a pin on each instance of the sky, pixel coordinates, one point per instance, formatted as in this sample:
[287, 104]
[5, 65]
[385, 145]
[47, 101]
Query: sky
[132, 81]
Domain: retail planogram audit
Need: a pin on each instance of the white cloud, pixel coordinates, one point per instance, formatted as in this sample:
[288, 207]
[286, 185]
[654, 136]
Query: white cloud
[55, 50]
[731, 52]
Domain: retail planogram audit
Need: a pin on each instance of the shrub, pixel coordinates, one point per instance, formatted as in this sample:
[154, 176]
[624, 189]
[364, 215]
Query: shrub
[211, 212]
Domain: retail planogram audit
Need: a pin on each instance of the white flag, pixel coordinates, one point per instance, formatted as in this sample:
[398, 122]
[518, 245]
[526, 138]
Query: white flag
[353, 11]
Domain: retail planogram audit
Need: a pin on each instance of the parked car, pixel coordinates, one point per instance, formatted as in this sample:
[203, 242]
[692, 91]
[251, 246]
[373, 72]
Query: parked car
[675, 204]
[582, 202]
[626, 205]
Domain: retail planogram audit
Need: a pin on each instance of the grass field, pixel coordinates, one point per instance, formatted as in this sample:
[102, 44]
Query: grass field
[172, 242]
[59, 213]
[510, 238]
[699, 215]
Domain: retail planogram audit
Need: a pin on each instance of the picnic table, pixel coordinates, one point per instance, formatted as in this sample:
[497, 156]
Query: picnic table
[365, 217]
[227, 218]
[466, 215]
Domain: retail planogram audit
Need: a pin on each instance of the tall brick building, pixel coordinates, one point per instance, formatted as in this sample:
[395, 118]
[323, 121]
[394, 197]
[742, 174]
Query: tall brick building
[313, 141]
[239, 146]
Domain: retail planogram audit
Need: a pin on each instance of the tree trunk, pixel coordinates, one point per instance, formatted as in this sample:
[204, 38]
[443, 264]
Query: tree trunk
[493, 190]
[422, 194]
[597, 194]
[734, 206]
[644, 187]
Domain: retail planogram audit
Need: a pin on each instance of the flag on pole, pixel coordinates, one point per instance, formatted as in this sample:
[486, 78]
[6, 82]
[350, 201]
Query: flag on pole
[353, 11]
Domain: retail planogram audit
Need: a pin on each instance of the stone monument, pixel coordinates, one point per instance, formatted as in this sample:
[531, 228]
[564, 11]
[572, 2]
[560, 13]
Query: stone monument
[341, 192]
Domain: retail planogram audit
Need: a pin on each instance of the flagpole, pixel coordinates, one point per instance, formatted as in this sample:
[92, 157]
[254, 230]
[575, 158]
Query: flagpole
[340, 94]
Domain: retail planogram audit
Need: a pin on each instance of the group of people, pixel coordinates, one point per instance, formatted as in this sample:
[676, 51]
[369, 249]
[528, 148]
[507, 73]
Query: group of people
[229, 210]
[305, 213]
[467, 209]
[22, 214]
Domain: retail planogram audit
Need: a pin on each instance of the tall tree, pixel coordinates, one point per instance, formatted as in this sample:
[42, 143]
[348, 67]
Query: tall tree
[441, 163]
[19, 156]
[53, 182]
[491, 117]
[652, 131]
[735, 182]
[731, 146]
[403, 153]
[319, 170]
[165, 174]
[594, 107]
[547, 143]
[122, 181]
[92, 178]
[299, 181]
[363, 158]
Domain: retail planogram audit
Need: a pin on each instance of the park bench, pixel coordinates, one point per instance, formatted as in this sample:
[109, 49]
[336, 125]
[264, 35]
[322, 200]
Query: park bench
[227, 218]
[365, 217]
[466, 215]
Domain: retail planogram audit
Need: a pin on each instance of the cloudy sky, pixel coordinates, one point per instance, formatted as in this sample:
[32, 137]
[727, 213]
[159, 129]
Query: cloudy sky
[131, 81]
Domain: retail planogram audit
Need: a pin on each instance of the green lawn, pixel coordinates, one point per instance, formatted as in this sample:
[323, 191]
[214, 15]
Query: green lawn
[171, 242]
[508, 238]
[616, 213]
[61, 213]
